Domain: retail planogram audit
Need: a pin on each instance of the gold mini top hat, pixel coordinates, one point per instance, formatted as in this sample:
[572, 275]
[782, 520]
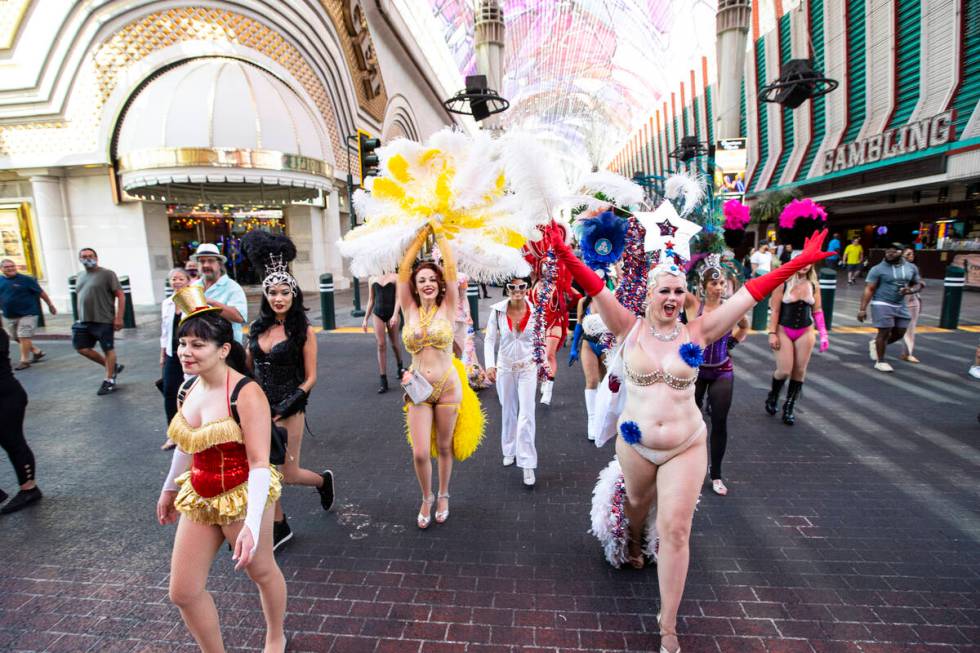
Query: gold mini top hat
[190, 302]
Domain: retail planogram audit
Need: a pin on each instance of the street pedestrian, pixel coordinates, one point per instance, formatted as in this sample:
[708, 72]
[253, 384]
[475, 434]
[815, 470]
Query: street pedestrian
[462, 320]
[834, 247]
[853, 259]
[662, 450]
[98, 290]
[190, 265]
[914, 302]
[383, 313]
[716, 376]
[597, 340]
[974, 370]
[515, 374]
[443, 413]
[795, 306]
[13, 406]
[220, 479]
[886, 288]
[761, 260]
[786, 254]
[221, 290]
[173, 374]
[282, 353]
[19, 295]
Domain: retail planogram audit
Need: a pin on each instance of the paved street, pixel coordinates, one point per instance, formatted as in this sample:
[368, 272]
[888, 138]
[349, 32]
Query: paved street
[855, 530]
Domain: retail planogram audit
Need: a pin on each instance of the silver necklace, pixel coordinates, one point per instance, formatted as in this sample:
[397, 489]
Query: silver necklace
[666, 337]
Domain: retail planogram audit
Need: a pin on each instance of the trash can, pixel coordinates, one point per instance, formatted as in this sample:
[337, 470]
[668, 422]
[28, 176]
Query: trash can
[328, 318]
[73, 294]
[949, 317]
[129, 316]
[473, 295]
[828, 290]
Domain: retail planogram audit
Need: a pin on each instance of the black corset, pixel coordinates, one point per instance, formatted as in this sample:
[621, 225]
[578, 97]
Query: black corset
[279, 372]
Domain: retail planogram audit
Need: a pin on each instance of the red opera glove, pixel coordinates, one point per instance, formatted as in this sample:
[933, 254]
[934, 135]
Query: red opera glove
[591, 283]
[821, 323]
[762, 286]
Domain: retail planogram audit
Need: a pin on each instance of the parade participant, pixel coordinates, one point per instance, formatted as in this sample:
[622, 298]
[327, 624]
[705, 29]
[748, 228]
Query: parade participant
[383, 312]
[515, 374]
[886, 288]
[662, 449]
[282, 353]
[795, 307]
[222, 291]
[220, 481]
[913, 300]
[716, 376]
[19, 299]
[13, 406]
[590, 342]
[445, 422]
[173, 375]
[101, 303]
[556, 325]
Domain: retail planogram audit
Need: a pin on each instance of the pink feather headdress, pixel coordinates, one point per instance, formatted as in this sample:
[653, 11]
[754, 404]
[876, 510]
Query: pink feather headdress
[736, 215]
[804, 208]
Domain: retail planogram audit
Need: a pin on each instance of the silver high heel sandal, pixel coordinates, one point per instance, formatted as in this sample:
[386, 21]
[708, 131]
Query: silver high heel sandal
[425, 520]
[442, 515]
[663, 649]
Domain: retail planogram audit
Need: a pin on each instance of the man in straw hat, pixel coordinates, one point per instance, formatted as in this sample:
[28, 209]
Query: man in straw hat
[221, 291]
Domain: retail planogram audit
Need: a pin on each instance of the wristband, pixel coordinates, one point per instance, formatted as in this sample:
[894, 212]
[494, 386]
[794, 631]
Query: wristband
[259, 480]
[179, 463]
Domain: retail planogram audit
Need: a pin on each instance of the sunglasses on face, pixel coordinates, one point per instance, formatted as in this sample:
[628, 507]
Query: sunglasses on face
[515, 287]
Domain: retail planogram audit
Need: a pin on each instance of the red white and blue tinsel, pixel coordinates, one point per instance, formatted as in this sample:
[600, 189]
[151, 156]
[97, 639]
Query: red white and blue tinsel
[632, 289]
[543, 297]
[610, 524]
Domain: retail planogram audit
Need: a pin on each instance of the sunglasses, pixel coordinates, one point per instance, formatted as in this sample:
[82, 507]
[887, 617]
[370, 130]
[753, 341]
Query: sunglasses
[512, 287]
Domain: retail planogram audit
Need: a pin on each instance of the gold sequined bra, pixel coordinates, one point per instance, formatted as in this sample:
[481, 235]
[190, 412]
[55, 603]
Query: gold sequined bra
[658, 376]
[436, 333]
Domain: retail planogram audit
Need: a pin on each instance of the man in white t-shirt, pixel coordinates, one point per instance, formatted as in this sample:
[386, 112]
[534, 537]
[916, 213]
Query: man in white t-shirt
[761, 260]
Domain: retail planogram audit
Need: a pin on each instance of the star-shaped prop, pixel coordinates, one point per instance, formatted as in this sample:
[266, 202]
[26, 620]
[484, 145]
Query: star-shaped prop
[667, 232]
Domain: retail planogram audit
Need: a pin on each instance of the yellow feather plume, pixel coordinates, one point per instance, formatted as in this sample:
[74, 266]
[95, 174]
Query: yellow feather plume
[398, 166]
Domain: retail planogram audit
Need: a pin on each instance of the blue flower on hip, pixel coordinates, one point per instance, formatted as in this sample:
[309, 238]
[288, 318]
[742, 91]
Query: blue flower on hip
[631, 432]
[692, 354]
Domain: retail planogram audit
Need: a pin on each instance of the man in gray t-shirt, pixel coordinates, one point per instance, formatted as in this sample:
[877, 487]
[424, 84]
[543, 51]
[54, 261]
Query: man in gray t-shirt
[886, 286]
[101, 303]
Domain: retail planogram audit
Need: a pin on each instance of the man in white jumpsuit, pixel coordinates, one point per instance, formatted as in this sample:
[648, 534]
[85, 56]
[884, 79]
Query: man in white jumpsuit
[515, 374]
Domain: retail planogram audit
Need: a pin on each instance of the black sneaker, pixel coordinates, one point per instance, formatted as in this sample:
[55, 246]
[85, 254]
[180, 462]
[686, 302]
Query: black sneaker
[23, 499]
[119, 368]
[326, 490]
[106, 387]
[3, 496]
[281, 533]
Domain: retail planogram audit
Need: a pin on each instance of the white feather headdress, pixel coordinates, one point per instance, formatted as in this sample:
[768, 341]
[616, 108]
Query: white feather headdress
[687, 188]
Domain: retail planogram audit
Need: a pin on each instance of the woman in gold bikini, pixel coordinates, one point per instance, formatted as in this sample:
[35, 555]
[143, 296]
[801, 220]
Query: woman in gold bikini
[661, 447]
[445, 423]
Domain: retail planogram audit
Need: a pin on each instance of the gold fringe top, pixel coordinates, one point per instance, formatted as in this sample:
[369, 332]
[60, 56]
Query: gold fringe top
[192, 439]
[224, 508]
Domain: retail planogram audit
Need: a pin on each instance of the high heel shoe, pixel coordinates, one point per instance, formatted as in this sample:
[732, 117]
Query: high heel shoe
[635, 561]
[663, 649]
[425, 520]
[442, 515]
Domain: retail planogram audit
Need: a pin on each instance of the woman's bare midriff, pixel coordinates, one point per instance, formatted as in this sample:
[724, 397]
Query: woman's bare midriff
[666, 417]
[433, 364]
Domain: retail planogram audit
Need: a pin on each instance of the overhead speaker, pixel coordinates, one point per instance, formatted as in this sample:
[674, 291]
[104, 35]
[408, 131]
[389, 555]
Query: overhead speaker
[797, 83]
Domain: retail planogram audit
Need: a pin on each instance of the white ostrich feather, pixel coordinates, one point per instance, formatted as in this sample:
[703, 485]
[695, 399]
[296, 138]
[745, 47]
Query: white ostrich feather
[689, 187]
[532, 175]
[617, 188]
[614, 548]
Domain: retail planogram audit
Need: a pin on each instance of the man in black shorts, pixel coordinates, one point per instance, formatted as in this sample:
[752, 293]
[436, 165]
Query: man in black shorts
[100, 314]
[887, 285]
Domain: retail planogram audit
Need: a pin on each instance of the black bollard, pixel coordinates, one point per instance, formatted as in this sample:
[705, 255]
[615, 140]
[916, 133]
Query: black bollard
[328, 318]
[129, 316]
[760, 314]
[949, 317]
[73, 294]
[828, 290]
[473, 295]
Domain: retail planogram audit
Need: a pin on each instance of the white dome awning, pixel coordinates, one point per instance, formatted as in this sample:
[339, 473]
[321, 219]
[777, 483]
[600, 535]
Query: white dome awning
[222, 130]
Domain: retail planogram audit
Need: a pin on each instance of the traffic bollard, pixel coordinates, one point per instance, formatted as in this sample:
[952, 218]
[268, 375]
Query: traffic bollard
[760, 314]
[327, 317]
[73, 294]
[129, 316]
[473, 295]
[168, 290]
[40, 313]
[949, 317]
[828, 289]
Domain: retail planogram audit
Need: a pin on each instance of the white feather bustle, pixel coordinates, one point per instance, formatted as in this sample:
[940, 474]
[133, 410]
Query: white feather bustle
[614, 544]
[689, 187]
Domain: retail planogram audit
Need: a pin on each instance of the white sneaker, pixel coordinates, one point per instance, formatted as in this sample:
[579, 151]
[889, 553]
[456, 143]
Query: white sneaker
[529, 477]
[882, 366]
[975, 371]
[546, 388]
[873, 351]
[508, 461]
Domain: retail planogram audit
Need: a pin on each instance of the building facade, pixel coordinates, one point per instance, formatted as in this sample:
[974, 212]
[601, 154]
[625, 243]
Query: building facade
[143, 127]
[894, 151]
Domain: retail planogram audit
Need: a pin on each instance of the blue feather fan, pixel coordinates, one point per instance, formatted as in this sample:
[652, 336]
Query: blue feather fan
[603, 239]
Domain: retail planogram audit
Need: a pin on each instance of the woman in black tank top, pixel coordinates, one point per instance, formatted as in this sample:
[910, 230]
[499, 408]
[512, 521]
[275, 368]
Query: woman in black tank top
[382, 312]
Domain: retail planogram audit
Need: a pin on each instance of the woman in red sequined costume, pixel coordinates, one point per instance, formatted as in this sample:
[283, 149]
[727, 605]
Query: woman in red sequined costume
[220, 481]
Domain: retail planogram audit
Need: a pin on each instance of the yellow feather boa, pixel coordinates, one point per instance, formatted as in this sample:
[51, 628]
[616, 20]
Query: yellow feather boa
[470, 422]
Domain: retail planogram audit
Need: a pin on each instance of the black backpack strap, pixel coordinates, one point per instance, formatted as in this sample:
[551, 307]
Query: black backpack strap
[233, 399]
[185, 387]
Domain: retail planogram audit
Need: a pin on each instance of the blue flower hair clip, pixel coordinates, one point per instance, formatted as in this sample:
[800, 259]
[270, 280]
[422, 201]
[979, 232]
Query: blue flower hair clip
[631, 432]
[692, 354]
